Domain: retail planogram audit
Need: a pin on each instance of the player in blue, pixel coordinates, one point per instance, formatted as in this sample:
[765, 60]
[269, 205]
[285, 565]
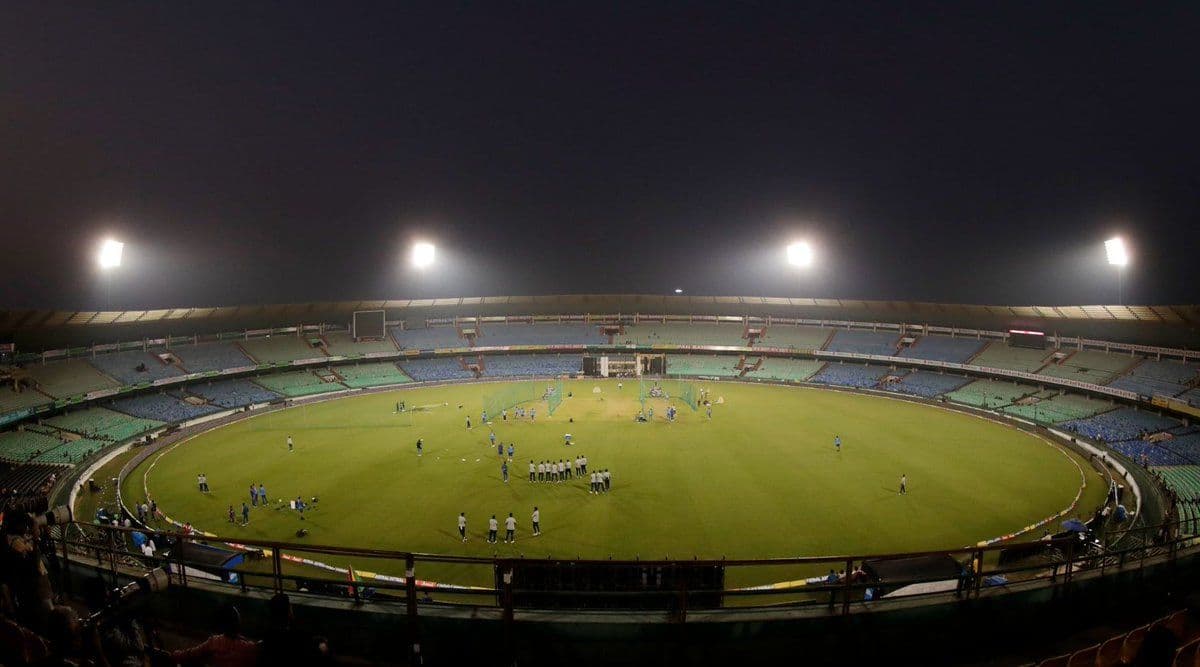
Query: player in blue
[837, 442]
[511, 450]
[492, 437]
[504, 471]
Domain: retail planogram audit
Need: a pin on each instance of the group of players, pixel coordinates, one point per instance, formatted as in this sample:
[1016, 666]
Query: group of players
[510, 527]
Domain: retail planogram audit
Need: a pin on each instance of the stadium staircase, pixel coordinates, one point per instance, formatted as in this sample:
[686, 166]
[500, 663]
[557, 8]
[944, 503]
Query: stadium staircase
[249, 356]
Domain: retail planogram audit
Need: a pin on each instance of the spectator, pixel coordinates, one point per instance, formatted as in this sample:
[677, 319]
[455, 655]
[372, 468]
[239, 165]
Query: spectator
[18, 645]
[228, 649]
[284, 644]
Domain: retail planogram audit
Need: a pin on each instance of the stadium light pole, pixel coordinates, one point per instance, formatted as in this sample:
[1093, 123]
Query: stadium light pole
[109, 260]
[423, 254]
[1118, 256]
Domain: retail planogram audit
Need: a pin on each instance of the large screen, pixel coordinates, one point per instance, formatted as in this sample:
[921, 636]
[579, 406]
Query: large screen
[369, 324]
[1021, 338]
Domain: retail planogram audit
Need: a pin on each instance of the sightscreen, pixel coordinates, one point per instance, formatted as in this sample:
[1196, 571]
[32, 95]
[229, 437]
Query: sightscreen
[368, 324]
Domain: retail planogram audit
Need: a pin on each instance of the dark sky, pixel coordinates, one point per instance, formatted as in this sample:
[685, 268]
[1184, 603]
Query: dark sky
[953, 152]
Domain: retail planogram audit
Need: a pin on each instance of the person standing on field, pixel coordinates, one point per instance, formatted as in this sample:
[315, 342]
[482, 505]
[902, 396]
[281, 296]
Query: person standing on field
[462, 525]
[291, 445]
[510, 530]
[903, 484]
[537, 522]
[493, 526]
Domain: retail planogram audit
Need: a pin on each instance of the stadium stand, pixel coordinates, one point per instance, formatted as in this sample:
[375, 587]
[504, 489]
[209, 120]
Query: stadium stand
[1058, 408]
[1191, 397]
[280, 349]
[23, 445]
[864, 342]
[532, 364]
[1090, 366]
[800, 338]
[341, 343]
[11, 401]
[540, 334]
[927, 384]
[102, 424]
[999, 355]
[28, 478]
[990, 393]
[1186, 445]
[1154, 455]
[372, 375]
[134, 366]
[71, 451]
[162, 407]
[297, 383]
[69, 378]
[702, 365]
[427, 339]
[850, 375]
[1120, 424]
[211, 357]
[943, 348]
[1184, 480]
[231, 393]
[787, 370]
[684, 334]
[1151, 378]
[436, 370]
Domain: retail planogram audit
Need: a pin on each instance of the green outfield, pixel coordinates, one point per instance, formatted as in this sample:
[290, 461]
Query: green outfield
[761, 479]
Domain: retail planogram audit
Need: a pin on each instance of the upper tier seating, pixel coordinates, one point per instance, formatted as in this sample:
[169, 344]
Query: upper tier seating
[990, 393]
[1156, 455]
[162, 407]
[788, 370]
[1186, 445]
[124, 366]
[280, 349]
[211, 357]
[372, 375]
[700, 333]
[232, 393]
[102, 424]
[799, 338]
[11, 401]
[850, 375]
[69, 378]
[1151, 378]
[494, 335]
[999, 355]
[342, 344]
[927, 383]
[700, 364]
[1059, 408]
[297, 383]
[72, 452]
[23, 445]
[944, 348]
[1090, 366]
[532, 364]
[427, 339]
[1120, 424]
[436, 370]
[860, 341]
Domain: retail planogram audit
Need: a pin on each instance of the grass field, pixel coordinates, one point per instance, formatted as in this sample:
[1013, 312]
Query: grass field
[761, 479]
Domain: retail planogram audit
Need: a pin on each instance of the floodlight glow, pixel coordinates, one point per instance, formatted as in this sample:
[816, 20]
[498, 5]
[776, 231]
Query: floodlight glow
[110, 254]
[800, 254]
[678, 291]
[1117, 255]
[422, 255]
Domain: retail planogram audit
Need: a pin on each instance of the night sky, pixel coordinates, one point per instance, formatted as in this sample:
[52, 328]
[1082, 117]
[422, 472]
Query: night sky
[955, 152]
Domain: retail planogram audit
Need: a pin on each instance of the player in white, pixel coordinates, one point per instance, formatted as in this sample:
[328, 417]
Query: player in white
[462, 525]
[291, 445]
[541, 471]
[532, 471]
[607, 477]
[595, 481]
[537, 522]
[583, 465]
[510, 530]
[493, 526]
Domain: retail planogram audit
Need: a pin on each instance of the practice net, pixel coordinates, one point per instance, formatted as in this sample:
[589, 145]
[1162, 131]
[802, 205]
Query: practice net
[669, 390]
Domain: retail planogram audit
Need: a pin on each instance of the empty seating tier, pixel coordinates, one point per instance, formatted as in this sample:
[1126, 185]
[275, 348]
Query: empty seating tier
[1059, 408]
[705, 333]
[162, 407]
[102, 424]
[850, 375]
[135, 366]
[297, 383]
[211, 357]
[69, 378]
[1152, 378]
[787, 370]
[24, 445]
[859, 341]
[990, 393]
[532, 364]
[372, 375]
[927, 384]
[427, 339]
[702, 365]
[999, 355]
[436, 370]
[800, 338]
[540, 334]
[231, 393]
[280, 349]
[11, 401]
[943, 348]
[341, 343]
[1121, 424]
[1090, 366]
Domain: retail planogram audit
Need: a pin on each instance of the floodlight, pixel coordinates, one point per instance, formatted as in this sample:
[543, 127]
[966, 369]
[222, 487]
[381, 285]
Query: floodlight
[422, 255]
[110, 254]
[1117, 255]
[678, 291]
[800, 254]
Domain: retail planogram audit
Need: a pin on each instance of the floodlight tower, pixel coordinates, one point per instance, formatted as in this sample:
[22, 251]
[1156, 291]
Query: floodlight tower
[109, 259]
[1118, 256]
[800, 254]
[423, 254]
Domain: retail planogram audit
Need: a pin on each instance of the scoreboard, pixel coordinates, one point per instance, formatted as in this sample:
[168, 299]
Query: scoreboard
[1032, 339]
